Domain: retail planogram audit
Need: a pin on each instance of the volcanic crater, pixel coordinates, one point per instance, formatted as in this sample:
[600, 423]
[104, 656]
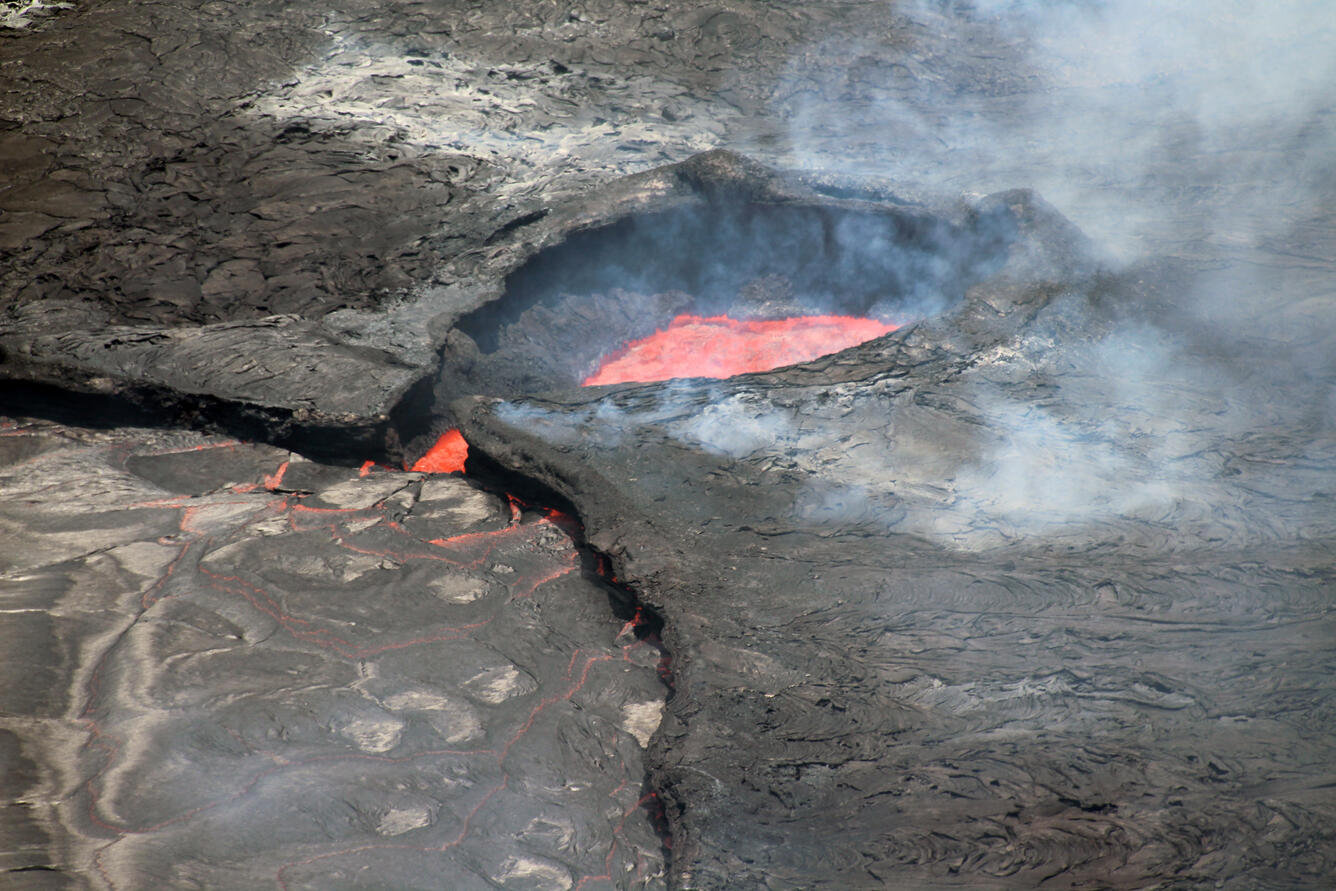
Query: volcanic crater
[737, 262]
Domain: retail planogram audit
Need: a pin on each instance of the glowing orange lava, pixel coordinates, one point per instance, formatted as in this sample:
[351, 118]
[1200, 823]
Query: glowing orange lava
[718, 346]
[447, 456]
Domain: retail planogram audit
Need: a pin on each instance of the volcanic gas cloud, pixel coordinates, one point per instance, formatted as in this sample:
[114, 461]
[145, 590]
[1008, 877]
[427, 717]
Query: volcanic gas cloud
[719, 346]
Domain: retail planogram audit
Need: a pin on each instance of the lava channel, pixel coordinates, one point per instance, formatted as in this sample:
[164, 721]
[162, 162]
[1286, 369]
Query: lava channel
[720, 346]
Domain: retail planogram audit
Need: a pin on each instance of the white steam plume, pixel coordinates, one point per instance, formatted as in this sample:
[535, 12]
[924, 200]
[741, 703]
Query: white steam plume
[1202, 124]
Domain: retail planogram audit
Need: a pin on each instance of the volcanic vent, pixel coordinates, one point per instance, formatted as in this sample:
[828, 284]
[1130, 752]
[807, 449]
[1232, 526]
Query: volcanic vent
[712, 268]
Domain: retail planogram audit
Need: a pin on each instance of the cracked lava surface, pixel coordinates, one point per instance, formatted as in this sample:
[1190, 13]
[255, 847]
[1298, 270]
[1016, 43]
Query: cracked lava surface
[316, 677]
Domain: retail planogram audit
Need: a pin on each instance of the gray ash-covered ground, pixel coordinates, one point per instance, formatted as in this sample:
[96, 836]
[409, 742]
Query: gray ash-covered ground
[1035, 591]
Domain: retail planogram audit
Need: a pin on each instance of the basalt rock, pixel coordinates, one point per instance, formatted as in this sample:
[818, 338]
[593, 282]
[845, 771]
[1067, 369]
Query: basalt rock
[1024, 593]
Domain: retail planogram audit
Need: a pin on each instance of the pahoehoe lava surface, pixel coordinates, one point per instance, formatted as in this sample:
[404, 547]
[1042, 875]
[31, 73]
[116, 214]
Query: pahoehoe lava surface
[234, 667]
[1035, 591]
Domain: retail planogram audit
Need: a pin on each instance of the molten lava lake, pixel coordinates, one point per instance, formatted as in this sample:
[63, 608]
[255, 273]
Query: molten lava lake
[701, 346]
[720, 346]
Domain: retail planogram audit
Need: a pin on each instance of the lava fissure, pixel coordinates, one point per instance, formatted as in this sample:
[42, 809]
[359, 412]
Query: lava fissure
[642, 619]
[491, 476]
[147, 405]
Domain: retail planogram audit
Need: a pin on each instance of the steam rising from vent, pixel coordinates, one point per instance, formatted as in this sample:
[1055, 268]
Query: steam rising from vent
[1199, 132]
[719, 346]
[1202, 124]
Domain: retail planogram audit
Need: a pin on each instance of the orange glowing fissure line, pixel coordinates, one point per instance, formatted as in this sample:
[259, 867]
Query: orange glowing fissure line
[698, 346]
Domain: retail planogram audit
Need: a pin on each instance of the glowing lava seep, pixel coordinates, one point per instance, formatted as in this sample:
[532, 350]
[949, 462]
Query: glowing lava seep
[719, 346]
[446, 456]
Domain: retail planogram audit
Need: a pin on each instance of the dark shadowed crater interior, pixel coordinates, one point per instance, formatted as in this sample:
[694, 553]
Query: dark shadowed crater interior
[573, 303]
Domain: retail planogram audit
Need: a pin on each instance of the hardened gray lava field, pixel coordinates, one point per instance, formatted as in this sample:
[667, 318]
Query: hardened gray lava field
[1035, 591]
[241, 669]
